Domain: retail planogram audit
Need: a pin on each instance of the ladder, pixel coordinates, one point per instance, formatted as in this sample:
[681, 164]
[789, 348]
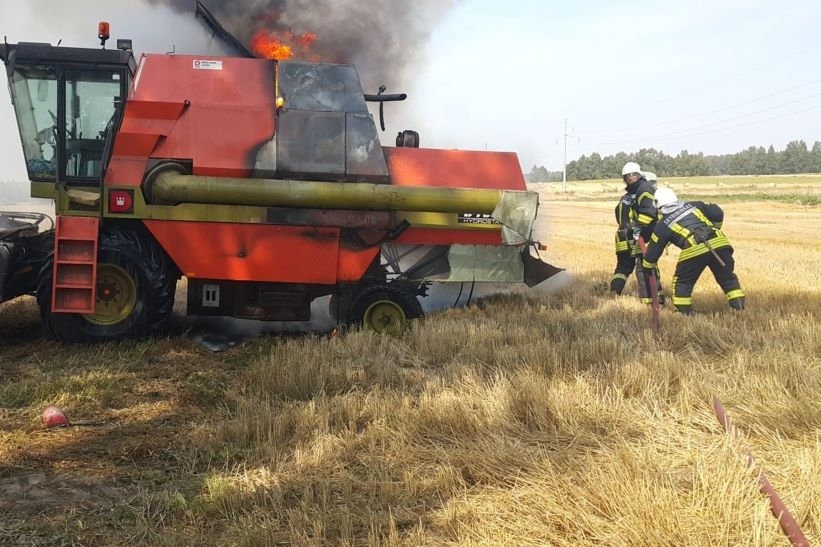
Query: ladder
[74, 283]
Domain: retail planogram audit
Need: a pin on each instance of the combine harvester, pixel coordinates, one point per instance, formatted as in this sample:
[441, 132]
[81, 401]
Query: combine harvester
[263, 182]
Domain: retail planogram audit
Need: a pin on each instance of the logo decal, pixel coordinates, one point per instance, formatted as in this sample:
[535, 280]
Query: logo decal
[121, 201]
[207, 64]
[476, 218]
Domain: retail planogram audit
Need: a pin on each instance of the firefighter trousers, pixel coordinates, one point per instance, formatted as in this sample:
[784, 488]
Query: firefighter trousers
[626, 262]
[688, 271]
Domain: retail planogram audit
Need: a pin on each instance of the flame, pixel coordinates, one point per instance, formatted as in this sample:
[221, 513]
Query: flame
[283, 46]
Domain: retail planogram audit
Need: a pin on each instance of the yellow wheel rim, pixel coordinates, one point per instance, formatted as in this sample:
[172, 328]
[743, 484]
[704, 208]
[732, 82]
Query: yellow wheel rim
[116, 296]
[385, 317]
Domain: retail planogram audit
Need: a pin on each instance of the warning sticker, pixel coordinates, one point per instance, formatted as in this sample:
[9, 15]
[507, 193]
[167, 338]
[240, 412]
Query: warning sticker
[205, 64]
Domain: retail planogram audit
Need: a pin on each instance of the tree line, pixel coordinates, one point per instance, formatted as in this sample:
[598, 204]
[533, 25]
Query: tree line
[795, 158]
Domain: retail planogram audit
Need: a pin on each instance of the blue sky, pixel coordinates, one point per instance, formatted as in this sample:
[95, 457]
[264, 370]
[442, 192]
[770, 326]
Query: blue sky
[702, 76]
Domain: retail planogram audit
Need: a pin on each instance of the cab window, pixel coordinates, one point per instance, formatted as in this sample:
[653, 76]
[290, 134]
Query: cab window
[34, 92]
[90, 101]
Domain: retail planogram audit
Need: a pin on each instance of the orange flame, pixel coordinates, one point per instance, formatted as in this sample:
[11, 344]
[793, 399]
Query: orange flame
[270, 46]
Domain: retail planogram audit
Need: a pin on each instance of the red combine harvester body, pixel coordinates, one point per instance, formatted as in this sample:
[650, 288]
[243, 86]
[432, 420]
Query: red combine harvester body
[262, 182]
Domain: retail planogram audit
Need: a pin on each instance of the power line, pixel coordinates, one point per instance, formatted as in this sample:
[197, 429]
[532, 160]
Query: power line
[690, 129]
[565, 134]
[719, 130]
[717, 110]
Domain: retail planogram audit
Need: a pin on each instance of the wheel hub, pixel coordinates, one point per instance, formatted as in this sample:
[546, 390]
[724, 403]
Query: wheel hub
[116, 295]
[385, 317]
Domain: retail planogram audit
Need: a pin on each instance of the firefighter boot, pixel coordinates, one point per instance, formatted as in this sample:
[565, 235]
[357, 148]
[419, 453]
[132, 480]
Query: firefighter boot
[617, 284]
[684, 309]
[738, 304]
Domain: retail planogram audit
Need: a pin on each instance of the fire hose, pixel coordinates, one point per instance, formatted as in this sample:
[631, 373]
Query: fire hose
[785, 519]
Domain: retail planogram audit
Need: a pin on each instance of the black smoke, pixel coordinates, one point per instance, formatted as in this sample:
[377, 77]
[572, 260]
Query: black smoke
[383, 39]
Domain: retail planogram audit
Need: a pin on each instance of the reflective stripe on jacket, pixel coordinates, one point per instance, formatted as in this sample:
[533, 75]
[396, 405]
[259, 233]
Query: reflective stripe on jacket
[623, 221]
[687, 227]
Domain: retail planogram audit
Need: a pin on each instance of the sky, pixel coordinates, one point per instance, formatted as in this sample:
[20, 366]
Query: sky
[548, 80]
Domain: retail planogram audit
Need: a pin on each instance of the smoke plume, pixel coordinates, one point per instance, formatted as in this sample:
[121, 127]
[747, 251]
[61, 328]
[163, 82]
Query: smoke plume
[383, 40]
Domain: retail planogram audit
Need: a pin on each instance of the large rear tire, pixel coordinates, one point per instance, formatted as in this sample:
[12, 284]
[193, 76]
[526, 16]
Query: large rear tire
[385, 309]
[135, 292]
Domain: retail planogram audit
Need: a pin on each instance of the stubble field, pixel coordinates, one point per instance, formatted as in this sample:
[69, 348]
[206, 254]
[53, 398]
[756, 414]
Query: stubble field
[526, 418]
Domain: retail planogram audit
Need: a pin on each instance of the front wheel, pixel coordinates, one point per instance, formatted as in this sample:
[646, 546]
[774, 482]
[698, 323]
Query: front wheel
[385, 309]
[135, 292]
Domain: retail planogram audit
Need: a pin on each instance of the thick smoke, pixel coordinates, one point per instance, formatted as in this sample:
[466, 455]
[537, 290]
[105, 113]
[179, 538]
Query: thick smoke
[383, 39]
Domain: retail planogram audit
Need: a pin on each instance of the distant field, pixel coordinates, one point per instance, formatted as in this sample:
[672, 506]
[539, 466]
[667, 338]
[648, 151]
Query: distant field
[805, 189]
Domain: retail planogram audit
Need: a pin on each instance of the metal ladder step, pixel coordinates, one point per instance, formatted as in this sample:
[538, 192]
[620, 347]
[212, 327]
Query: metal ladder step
[74, 283]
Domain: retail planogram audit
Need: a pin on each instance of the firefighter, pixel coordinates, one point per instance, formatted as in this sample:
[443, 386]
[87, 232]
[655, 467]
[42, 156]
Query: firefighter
[694, 227]
[630, 219]
[627, 250]
[625, 247]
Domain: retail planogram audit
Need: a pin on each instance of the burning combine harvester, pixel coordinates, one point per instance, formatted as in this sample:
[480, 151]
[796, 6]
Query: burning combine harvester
[263, 182]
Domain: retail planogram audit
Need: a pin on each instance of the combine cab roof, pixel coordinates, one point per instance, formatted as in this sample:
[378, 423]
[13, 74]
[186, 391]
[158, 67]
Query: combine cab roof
[32, 52]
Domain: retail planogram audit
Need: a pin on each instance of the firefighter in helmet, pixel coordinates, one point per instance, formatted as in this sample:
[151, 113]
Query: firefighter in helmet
[628, 251]
[694, 227]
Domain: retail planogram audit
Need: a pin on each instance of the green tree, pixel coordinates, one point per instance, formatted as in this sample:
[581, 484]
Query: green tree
[796, 158]
[815, 157]
[537, 174]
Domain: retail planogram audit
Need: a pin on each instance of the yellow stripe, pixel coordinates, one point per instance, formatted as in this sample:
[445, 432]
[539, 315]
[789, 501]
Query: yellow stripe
[682, 300]
[699, 215]
[648, 265]
[732, 295]
[678, 229]
[620, 276]
[621, 246]
[716, 243]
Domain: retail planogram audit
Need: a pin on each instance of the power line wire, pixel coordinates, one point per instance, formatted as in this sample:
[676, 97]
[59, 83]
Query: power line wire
[719, 130]
[717, 110]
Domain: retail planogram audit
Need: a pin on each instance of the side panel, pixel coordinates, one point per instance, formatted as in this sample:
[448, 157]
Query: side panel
[215, 112]
[454, 168]
[248, 252]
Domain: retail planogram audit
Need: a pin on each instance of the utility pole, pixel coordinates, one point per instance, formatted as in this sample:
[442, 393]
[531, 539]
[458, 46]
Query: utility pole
[565, 134]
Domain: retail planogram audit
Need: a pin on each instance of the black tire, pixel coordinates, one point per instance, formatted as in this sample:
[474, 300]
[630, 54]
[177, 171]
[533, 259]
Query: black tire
[135, 292]
[337, 306]
[383, 309]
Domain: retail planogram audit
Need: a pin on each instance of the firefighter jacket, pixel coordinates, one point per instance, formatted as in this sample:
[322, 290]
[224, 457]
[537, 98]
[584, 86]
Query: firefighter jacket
[689, 226]
[624, 239]
[643, 213]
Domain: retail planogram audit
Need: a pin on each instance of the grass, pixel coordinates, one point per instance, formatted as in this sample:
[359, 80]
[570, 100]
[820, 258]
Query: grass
[527, 418]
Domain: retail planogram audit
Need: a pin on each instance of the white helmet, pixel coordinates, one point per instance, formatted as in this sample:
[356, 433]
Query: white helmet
[650, 177]
[630, 167]
[664, 196]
